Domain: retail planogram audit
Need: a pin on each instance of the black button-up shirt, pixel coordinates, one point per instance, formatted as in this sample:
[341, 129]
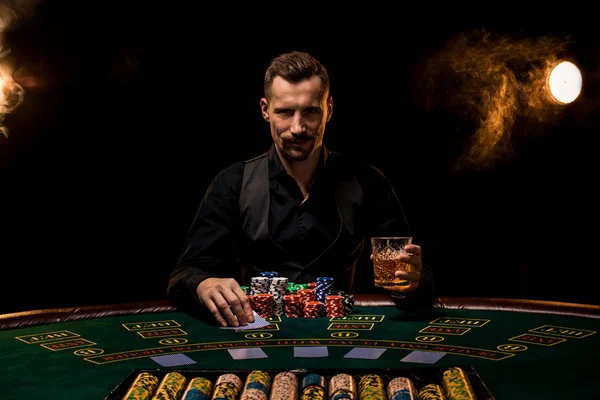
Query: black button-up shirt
[303, 227]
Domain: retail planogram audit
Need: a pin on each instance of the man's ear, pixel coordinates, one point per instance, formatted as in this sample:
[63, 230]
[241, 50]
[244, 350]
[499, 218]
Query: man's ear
[264, 109]
[329, 108]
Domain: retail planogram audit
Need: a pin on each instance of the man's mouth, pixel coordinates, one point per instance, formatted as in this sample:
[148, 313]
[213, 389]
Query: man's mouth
[300, 140]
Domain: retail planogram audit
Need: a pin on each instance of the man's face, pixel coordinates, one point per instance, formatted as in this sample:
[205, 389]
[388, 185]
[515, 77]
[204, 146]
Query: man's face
[297, 116]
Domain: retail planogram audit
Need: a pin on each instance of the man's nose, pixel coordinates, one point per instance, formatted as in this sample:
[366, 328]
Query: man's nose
[298, 125]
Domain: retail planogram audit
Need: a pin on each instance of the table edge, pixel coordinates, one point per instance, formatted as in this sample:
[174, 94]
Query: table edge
[53, 315]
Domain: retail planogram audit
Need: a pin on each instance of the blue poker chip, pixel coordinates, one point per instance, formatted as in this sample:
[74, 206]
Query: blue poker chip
[314, 380]
[324, 278]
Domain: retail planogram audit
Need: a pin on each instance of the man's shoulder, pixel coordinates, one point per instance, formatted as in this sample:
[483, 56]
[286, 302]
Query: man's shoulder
[255, 159]
[231, 172]
[237, 167]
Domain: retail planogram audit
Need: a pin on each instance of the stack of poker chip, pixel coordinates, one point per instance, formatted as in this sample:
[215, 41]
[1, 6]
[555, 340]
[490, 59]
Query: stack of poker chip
[198, 388]
[228, 386]
[292, 288]
[371, 386]
[257, 386]
[307, 295]
[348, 300]
[259, 285]
[402, 388]
[314, 386]
[323, 288]
[432, 391]
[342, 386]
[292, 306]
[334, 306]
[142, 387]
[456, 384]
[348, 303]
[285, 386]
[313, 309]
[290, 299]
[171, 386]
[277, 288]
[264, 305]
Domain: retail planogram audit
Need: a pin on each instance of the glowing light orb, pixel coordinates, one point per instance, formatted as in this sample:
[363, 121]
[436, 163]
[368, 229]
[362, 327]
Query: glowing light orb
[565, 82]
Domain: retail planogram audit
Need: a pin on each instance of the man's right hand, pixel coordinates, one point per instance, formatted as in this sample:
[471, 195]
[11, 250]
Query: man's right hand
[226, 301]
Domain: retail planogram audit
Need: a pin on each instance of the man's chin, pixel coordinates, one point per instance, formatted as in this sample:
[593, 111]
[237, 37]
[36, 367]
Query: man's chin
[296, 155]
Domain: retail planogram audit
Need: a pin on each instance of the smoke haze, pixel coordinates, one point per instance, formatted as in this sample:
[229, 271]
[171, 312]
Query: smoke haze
[490, 81]
[12, 13]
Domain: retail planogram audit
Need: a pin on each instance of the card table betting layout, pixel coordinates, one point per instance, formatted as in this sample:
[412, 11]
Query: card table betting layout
[487, 348]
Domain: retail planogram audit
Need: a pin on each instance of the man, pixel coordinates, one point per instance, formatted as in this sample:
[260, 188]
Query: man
[299, 209]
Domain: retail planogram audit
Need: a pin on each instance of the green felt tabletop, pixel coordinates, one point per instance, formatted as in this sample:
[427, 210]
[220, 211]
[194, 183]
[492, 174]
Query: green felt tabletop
[516, 355]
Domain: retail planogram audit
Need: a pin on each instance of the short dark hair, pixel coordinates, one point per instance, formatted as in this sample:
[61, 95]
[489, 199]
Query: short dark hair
[294, 67]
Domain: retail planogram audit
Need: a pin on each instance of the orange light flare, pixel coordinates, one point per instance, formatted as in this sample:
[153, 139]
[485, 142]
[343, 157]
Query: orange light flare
[497, 81]
[564, 82]
[12, 13]
[11, 95]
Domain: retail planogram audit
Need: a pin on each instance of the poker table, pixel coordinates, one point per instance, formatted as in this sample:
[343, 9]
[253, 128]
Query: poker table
[516, 349]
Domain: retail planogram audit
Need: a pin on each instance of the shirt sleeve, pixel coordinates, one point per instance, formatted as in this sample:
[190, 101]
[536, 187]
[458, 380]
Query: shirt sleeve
[386, 217]
[208, 249]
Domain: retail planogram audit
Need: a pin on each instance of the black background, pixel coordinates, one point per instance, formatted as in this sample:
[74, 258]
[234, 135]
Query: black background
[130, 109]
